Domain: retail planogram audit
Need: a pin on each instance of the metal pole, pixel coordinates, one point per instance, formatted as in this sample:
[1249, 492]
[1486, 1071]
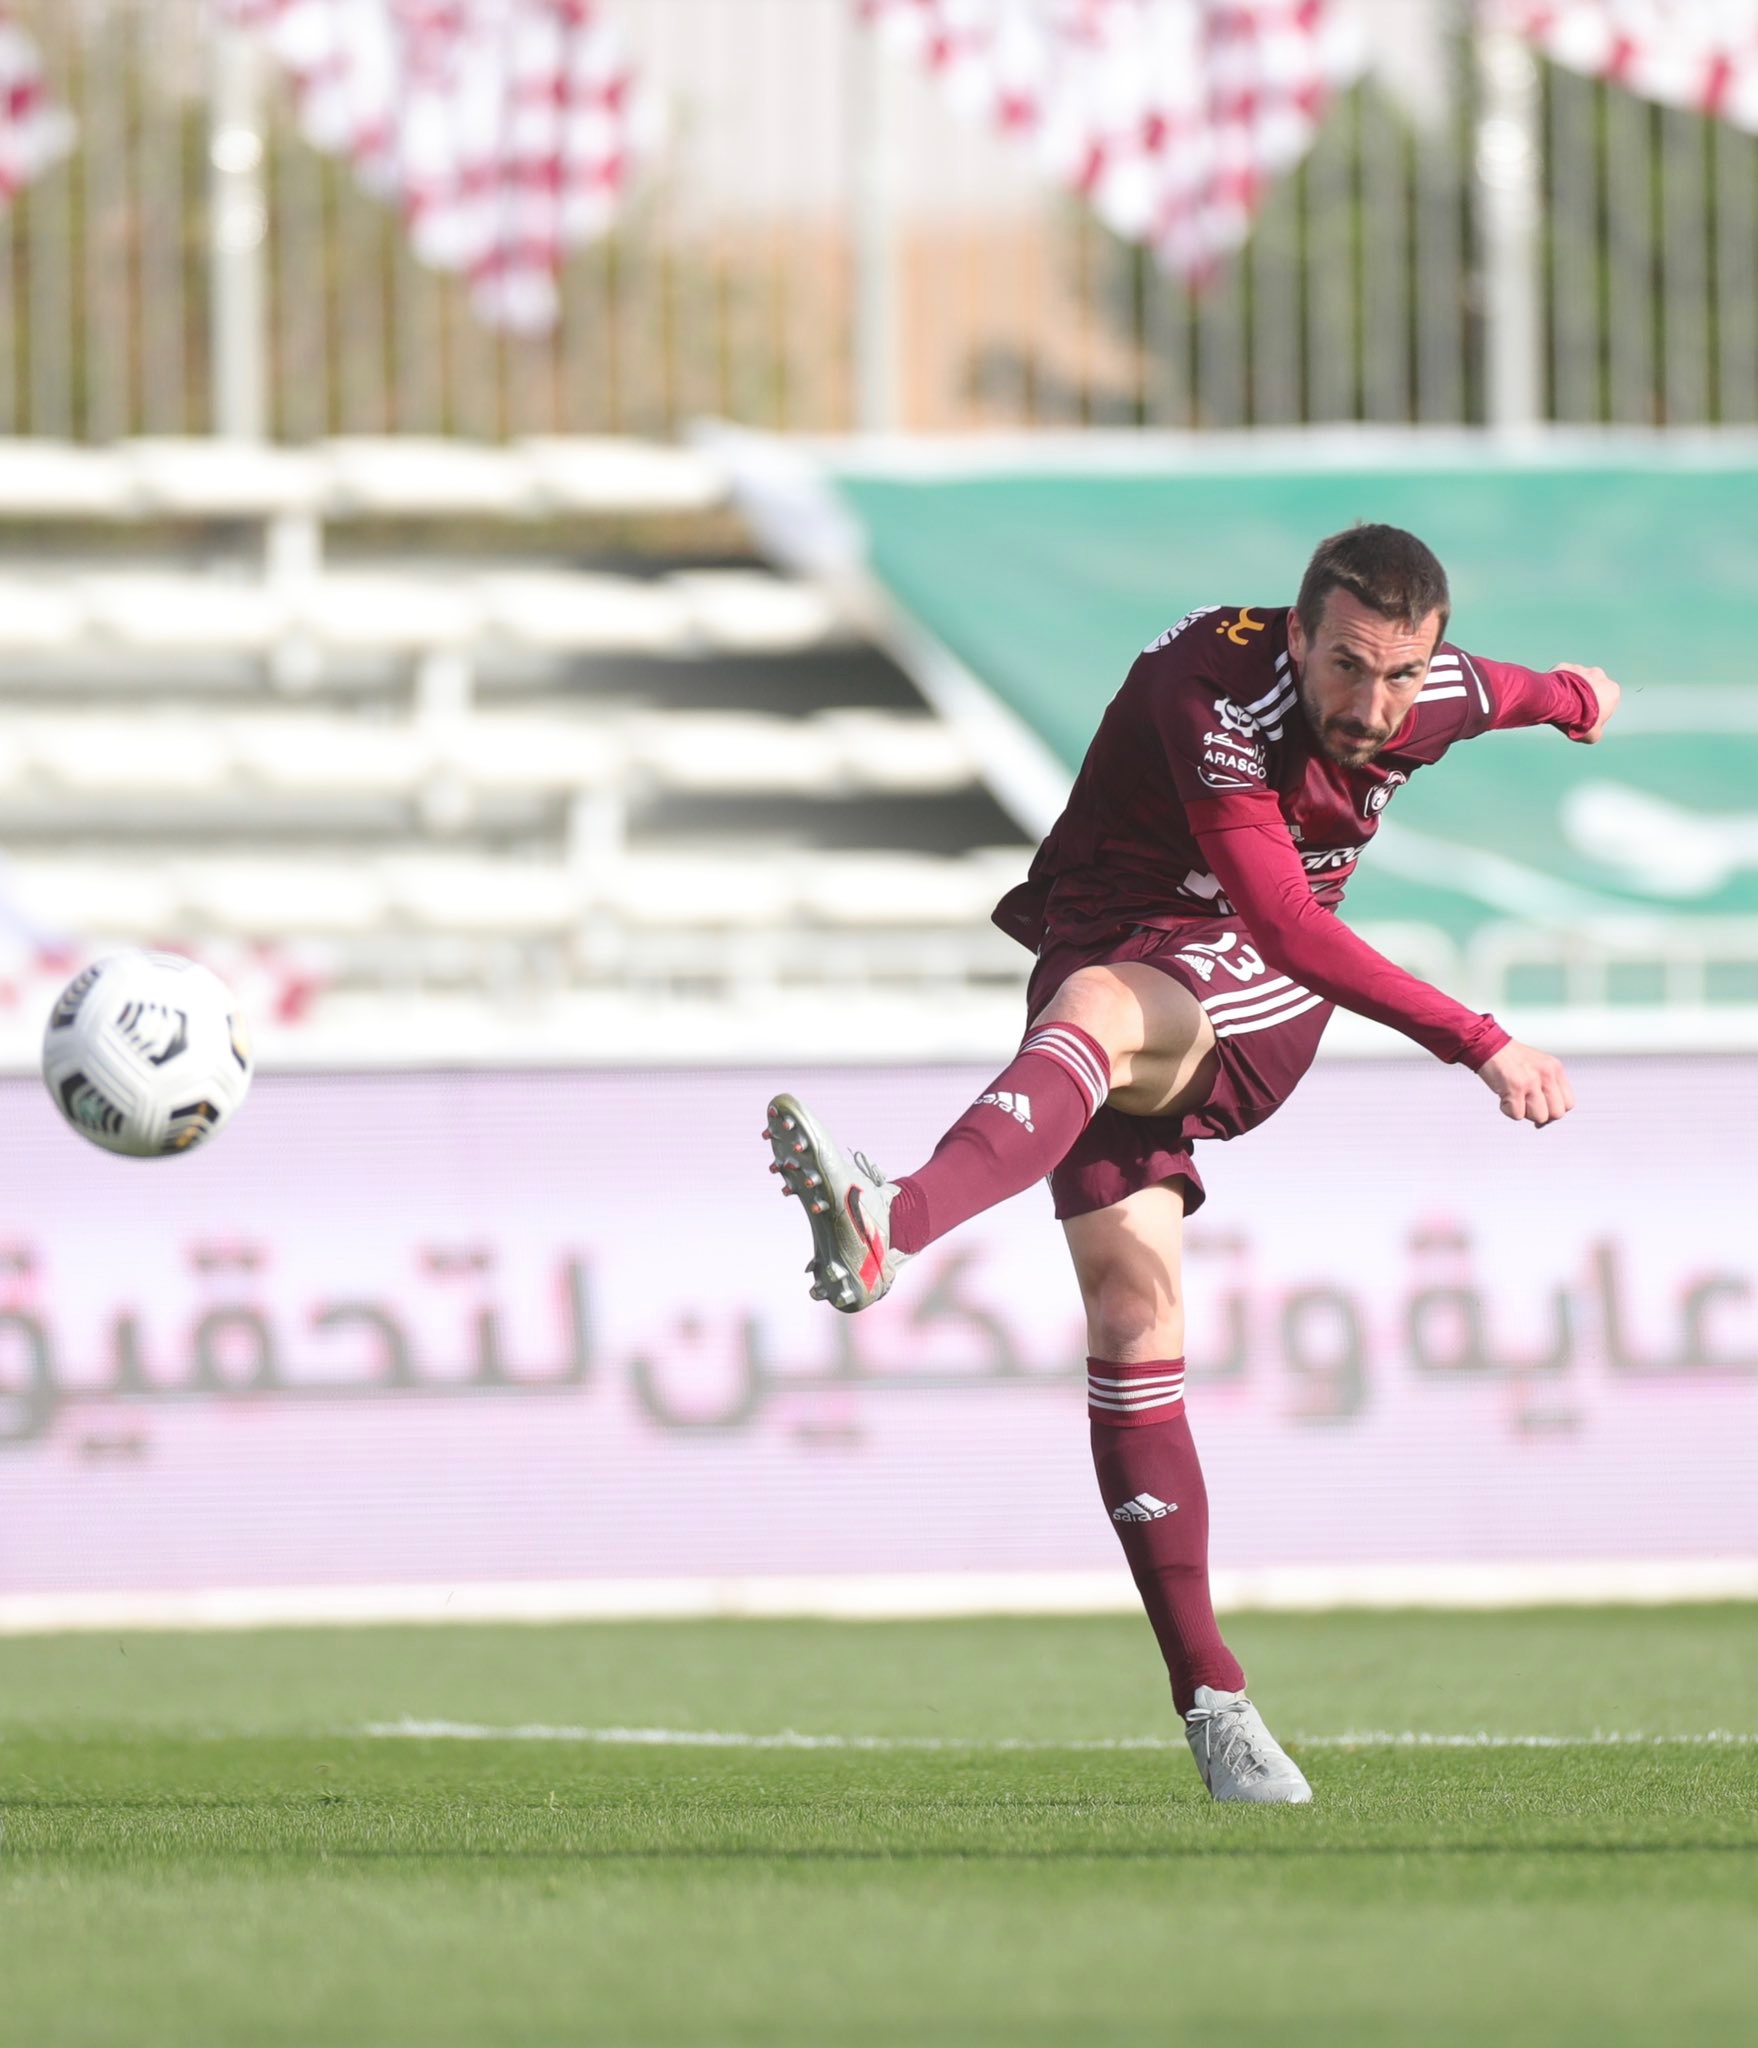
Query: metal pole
[238, 230]
[874, 234]
[1509, 201]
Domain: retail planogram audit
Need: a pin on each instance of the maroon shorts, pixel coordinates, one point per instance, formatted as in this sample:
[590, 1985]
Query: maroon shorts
[1267, 1029]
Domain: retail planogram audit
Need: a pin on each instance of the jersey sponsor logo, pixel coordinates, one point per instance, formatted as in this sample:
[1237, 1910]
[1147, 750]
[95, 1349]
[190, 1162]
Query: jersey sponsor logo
[1232, 750]
[1240, 629]
[1229, 770]
[1382, 794]
[1172, 632]
[1323, 862]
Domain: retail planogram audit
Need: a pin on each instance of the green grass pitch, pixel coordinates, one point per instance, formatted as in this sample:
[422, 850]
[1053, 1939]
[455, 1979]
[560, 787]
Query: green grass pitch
[204, 1845]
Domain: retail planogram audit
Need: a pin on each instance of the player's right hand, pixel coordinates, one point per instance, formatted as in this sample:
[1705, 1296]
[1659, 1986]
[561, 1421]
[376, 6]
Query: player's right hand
[1530, 1084]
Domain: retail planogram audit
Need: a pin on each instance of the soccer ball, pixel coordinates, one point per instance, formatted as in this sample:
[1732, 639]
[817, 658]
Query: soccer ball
[146, 1054]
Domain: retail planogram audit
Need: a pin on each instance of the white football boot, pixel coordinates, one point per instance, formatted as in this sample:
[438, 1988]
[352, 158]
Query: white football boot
[1238, 1756]
[847, 1202]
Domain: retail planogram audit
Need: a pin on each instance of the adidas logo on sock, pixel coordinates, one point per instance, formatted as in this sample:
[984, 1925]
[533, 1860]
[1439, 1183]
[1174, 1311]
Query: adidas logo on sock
[1144, 1508]
[1019, 1107]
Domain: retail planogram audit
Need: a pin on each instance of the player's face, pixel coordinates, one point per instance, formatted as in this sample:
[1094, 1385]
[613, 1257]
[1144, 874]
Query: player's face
[1359, 675]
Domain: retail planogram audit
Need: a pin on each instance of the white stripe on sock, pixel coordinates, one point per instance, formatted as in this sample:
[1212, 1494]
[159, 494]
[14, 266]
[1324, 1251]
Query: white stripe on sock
[1075, 1057]
[1077, 1050]
[1080, 1075]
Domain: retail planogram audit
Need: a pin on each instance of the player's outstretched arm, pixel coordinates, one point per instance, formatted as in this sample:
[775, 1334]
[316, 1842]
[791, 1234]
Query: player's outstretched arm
[1530, 1085]
[1575, 697]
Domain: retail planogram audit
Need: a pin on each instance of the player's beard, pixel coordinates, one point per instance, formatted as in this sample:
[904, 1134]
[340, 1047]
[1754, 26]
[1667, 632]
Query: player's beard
[1344, 740]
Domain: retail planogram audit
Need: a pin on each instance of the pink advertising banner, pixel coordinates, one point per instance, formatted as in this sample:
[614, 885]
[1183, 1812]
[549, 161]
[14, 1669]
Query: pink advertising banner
[452, 1329]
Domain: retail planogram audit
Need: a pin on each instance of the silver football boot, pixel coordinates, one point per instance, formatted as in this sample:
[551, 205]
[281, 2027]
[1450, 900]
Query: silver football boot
[847, 1203]
[1237, 1755]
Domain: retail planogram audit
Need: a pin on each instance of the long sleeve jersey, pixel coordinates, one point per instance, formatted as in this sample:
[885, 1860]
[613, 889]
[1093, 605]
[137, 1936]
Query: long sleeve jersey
[1205, 794]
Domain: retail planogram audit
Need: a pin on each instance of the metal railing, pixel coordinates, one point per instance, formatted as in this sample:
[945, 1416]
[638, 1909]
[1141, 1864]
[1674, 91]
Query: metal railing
[823, 244]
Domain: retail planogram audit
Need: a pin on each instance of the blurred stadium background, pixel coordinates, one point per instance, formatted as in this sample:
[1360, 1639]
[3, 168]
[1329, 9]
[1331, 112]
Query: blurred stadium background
[570, 552]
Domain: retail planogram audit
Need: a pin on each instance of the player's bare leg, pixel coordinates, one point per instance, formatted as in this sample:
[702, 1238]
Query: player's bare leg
[1157, 1036]
[1127, 1259]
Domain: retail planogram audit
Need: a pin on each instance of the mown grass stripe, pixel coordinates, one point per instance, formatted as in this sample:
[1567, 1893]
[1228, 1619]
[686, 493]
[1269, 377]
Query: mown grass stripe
[792, 1738]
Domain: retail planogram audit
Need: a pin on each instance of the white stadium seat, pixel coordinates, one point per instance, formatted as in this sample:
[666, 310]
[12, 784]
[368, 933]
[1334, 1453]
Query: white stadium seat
[96, 754]
[576, 612]
[293, 897]
[162, 610]
[407, 475]
[341, 755]
[509, 751]
[40, 617]
[500, 897]
[878, 889]
[748, 610]
[731, 753]
[679, 891]
[95, 900]
[582, 474]
[904, 753]
[225, 479]
[371, 613]
[55, 480]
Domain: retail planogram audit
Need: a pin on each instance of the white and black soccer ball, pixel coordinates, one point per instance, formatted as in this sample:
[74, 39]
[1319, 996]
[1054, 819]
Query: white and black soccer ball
[145, 1054]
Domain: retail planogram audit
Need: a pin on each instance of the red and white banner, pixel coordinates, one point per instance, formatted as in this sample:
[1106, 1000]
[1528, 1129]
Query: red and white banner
[1172, 117]
[34, 132]
[506, 130]
[1700, 54]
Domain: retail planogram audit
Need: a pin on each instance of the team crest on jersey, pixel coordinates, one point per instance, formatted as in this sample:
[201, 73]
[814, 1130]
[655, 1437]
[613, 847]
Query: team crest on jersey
[1382, 794]
[1172, 632]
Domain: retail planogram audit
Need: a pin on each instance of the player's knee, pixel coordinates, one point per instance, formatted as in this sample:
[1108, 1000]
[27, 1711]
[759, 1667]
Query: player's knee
[1129, 1311]
[1101, 1005]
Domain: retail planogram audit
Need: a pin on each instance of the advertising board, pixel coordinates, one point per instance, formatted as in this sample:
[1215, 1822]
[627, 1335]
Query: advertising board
[453, 1331]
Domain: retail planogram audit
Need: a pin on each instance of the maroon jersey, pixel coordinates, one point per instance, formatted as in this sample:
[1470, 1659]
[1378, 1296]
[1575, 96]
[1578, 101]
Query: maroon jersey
[1205, 793]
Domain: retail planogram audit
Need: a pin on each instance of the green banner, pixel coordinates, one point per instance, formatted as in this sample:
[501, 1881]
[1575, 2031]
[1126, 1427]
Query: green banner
[1046, 581]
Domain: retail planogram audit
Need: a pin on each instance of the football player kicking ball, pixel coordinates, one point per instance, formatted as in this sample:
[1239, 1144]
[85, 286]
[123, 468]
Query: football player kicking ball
[1183, 913]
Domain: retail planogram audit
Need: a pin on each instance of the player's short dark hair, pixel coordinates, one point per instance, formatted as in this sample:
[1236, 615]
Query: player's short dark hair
[1383, 567]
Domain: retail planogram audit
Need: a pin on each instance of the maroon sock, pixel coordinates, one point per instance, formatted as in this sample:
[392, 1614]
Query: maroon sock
[1152, 1486]
[1013, 1134]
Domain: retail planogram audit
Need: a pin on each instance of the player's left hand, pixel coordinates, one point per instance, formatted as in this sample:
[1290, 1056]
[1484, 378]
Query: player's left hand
[1603, 688]
[1531, 1085]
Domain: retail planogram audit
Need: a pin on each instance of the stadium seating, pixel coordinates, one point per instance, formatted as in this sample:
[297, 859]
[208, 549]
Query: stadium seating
[473, 768]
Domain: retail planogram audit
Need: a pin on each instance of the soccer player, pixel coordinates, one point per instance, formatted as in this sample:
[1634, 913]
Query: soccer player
[1189, 956]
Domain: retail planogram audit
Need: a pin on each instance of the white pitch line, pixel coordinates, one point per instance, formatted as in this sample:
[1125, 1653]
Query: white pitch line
[790, 1738]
